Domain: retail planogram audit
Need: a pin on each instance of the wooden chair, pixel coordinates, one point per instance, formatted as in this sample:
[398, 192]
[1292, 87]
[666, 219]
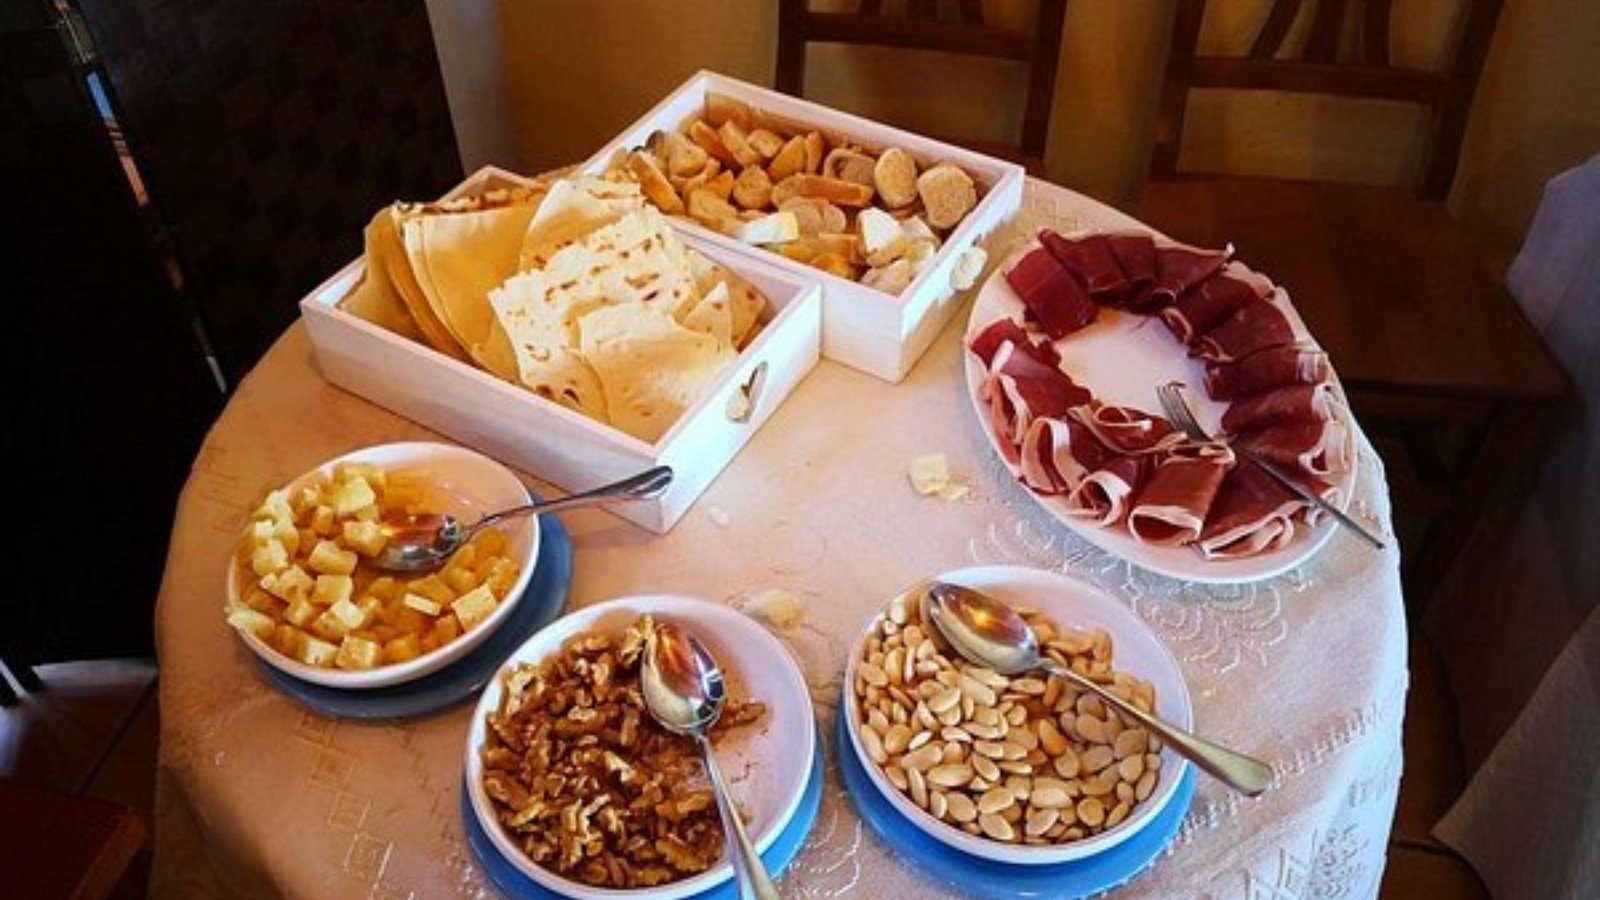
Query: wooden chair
[922, 28]
[1427, 343]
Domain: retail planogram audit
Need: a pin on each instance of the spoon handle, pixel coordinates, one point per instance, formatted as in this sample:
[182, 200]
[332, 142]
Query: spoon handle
[646, 484]
[1242, 773]
[749, 871]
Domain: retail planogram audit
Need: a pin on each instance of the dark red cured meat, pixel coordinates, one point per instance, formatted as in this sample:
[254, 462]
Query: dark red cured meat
[1212, 301]
[1056, 454]
[1178, 268]
[1265, 370]
[1105, 494]
[1316, 449]
[1171, 508]
[1043, 390]
[1251, 514]
[988, 342]
[1090, 260]
[1136, 256]
[1124, 429]
[1056, 300]
[1281, 406]
[1257, 326]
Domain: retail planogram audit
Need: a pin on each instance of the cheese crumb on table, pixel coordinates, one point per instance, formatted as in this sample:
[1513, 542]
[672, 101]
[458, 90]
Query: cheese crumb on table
[777, 607]
[930, 477]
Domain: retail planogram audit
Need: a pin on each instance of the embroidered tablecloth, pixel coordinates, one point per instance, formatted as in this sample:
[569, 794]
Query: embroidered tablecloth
[259, 797]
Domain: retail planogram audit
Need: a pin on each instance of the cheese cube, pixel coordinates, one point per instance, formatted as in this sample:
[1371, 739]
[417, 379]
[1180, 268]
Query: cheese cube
[500, 575]
[421, 604]
[301, 612]
[290, 585]
[287, 535]
[262, 602]
[369, 513]
[332, 589]
[384, 588]
[372, 473]
[275, 507]
[460, 580]
[317, 653]
[261, 531]
[287, 640]
[359, 653]
[433, 588]
[351, 495]
[350, 615]
[402, 648]
[308, 497]
[324, 522]
[406, 499]
[269, 558]
[474, 606]
[329, 626]
[408, 620]
[445, 630]
[366, 538]
[328, 559]
[248, 620]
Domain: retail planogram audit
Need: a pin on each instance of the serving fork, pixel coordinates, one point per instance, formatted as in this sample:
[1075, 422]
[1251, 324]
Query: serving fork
[1178, 412]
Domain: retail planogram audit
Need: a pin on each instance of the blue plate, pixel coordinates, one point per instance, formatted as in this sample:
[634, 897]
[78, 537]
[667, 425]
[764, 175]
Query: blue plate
[542, 601]
[512, 883]
[1076, 878]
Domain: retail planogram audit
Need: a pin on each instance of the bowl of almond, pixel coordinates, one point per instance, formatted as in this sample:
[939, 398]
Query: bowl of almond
[1022, 769]
[302, 591]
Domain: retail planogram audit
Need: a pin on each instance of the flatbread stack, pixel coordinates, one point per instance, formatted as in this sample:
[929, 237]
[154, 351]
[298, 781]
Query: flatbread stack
[578, 291]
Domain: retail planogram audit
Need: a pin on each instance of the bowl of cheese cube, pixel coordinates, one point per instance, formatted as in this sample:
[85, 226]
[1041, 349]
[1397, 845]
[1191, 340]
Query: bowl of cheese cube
[303, 593]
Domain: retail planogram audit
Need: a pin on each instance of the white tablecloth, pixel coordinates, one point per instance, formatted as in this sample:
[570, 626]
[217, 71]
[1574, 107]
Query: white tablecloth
[259, 797]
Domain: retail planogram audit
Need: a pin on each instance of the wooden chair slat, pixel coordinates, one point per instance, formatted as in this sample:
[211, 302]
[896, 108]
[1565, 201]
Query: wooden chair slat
[1270, 39]
[1375, 32]
[1315, 78]
[1327, 26]
[916, 34]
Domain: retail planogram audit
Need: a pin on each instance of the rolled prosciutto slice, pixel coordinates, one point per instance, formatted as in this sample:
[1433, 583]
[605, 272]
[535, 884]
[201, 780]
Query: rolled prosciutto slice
[1102, 496]
[1022, 387]
[1126, 430]
[988, 341]
[1281, 406]
[1090, 260]
[1255, 327]
[1318, 449]
[1057, 454]
[1178, 268]
[1171, 509]
[1252, 514]
[1214, 300]
[1265, 370]
[1052, 296]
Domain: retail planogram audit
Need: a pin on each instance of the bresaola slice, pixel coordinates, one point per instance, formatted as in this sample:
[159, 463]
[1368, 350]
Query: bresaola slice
[1214, 300]
[1102, 496]
[1252, 514]
[1171, 509]
[1051, 294]
[1056, 455]
[1281, 406]
[1318, 449]
[1255, 327]
[1090, 260]
[1136, 256]
[988, 342]
[1265, 370]
[1124, 429]
[1178, 268]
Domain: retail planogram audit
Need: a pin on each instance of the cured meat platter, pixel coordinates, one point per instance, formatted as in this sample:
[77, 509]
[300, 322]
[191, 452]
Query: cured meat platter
[1063, 389]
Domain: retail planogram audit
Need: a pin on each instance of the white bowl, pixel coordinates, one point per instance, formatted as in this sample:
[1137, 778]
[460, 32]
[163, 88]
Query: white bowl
[767, 762]
[1135, 650]
[460, 482]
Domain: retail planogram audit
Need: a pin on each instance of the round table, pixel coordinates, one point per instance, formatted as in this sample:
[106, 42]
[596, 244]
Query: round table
[259, 797]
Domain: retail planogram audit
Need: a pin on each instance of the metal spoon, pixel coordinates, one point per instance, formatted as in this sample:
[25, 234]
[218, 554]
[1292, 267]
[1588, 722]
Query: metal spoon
[683, 689]
[419, 543]
[990, 633]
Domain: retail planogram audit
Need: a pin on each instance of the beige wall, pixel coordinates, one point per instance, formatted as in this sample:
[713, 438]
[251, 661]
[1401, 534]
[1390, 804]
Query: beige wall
[568, 74]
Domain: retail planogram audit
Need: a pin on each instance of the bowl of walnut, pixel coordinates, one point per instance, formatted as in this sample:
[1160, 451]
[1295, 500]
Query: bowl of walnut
[1023, 769]
[303, 593]
[580, 790]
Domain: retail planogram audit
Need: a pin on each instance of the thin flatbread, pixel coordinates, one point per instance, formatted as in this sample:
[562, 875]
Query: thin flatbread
[387, 252]
[745, 301]
[651, 368]
[541, 341]
[713, 315]
[573, 209]
[458, 259]
[374, 297]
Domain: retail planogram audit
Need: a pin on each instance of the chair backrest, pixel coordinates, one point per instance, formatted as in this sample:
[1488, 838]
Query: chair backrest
[922, 28]
[1362, 70]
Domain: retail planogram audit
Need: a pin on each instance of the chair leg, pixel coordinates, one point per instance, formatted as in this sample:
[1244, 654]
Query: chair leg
[27, 677]
[8, 697]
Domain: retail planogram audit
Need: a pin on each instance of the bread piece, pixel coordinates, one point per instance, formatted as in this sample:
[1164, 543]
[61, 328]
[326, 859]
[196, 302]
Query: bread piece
[847, 164]
[892, 278]
[721, 108]
[709, 209]
[806, 248]
[790, 160]
[844, 193]
[835, 264]
[765, 143]
[711, 142]
[882, 238]
[775, 228]
[816, 216]
[655, 185]
[948, 194]
[737, 141]
[816, 147]
[895, 177]
[683, 156]
[722, 185]
[753, 189]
